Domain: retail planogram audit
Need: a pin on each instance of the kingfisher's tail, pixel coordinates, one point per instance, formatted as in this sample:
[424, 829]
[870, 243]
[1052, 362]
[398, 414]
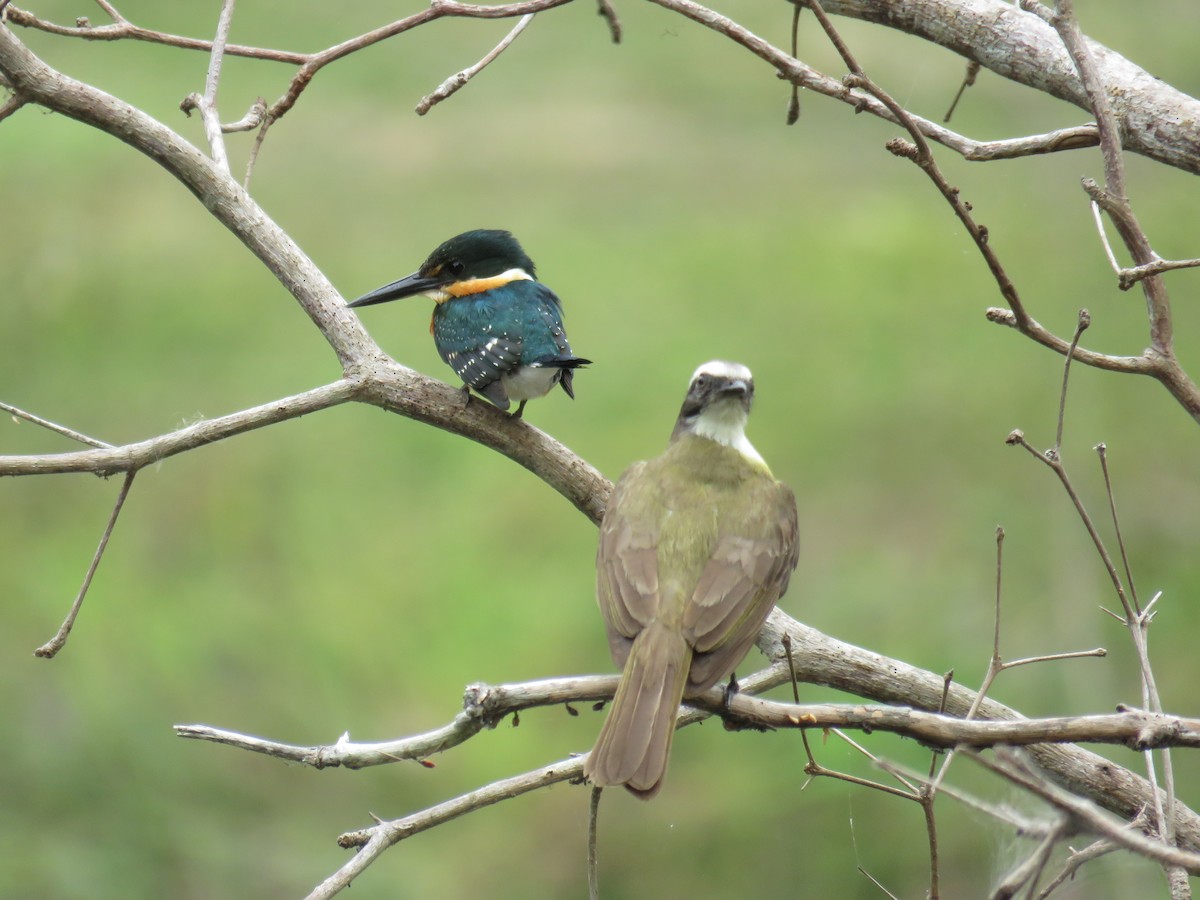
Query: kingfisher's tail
[635, 741]
[569, 364]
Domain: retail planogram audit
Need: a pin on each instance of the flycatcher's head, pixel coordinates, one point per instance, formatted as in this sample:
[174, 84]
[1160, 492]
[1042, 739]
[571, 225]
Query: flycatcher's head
[717, 404]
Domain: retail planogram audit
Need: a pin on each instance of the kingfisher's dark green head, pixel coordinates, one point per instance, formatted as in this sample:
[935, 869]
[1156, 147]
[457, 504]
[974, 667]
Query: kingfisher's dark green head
[470, 263]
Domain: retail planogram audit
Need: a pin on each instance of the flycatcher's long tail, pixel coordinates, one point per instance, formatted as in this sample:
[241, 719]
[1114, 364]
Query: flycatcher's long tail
[635, 741]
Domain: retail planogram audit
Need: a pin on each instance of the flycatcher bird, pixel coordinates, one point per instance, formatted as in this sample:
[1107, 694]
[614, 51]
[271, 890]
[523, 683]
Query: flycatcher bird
[696, 546]
[494, 324]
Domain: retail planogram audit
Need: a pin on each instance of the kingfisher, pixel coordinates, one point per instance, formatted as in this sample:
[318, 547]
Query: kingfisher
[494, 323]
[696, 547]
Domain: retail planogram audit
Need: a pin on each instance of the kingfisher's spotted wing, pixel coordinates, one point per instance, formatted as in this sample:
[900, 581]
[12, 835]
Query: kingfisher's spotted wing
[552, 347]
[482, 365]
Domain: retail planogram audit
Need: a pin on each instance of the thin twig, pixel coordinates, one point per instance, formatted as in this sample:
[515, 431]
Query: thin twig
[212, 119]
[264, 124]
[1082, 323]
[834, 37]
[111, 10]
[968, 81]
[920, 152]
[252, 119]
[1077, 859]
[217, 56]
[1096, 653]
[787, 649]
[793, 113]
[1029, 871]
[927, 795]
[1127, 278]
[371, 842]
[1004, 814]
[815, 770]
[52, 426]
[459, 80]
[994, 668]
[1052, 459]
[1098, 217]
[1102, 451]
[592, 851]
[49, 649]
[608, 12]
[997, 664]
[876, 882]
[911, 786]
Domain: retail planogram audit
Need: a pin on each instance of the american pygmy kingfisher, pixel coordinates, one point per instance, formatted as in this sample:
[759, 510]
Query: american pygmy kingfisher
[494, 324]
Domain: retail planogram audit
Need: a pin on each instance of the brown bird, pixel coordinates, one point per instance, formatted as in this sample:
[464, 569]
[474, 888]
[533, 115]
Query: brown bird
[695, 548]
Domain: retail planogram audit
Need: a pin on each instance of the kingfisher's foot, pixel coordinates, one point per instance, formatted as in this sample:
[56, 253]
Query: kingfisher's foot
[466, 392]
[520, 409]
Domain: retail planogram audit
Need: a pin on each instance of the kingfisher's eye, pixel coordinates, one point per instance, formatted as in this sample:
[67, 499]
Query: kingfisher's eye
[455, 267]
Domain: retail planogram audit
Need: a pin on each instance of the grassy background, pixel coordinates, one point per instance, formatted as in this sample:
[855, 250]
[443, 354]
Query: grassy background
[328, 575]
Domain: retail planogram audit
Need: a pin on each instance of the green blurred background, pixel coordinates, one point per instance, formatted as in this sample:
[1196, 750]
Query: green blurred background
[316, 577]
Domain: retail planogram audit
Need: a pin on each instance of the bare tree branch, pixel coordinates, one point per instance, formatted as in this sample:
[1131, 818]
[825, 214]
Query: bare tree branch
[1115, 196]
[484, 706]
[1157, 120]
[1016, 45]
[823, 660]
[122, 29]
[820, 659]
[109, 460]
[371, 842]
[1087, 814]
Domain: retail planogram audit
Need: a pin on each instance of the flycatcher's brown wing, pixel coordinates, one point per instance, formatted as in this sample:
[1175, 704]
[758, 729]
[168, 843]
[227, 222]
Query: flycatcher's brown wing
[746, 575]
[627, 566]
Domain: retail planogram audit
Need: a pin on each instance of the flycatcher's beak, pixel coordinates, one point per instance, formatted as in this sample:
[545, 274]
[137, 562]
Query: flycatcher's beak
[734, 386]
[409, 286]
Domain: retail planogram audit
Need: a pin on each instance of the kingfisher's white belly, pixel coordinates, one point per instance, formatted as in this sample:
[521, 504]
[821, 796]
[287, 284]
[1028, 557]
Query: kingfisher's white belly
[528, 382]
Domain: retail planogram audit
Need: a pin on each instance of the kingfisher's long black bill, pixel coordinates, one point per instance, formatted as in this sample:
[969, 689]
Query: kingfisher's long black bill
[408, 286]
